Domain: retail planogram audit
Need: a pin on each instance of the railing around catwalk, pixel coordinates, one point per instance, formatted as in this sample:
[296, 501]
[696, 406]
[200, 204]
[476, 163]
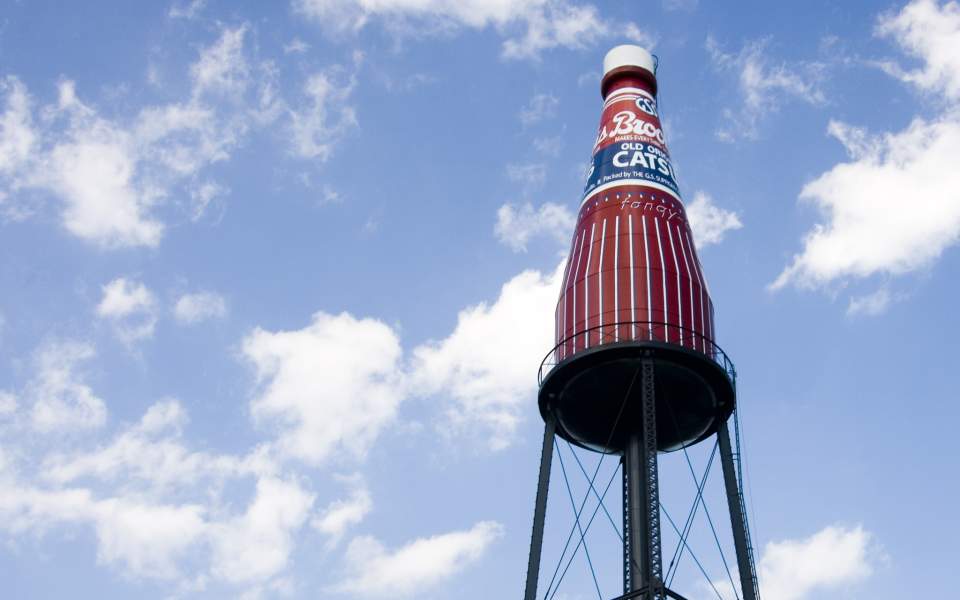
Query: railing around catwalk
[629, 332]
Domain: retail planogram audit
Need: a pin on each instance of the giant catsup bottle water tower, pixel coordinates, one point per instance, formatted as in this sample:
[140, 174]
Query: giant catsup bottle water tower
[635, 370]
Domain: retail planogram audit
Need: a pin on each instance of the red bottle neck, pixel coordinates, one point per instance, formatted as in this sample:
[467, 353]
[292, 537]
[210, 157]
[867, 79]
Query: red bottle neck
[628, 77]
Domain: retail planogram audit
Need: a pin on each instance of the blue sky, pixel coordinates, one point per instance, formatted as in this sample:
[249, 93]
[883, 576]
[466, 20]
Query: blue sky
[277, 277]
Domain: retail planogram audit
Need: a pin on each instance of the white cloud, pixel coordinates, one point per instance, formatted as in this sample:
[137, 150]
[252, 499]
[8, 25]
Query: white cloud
[92, 168]
[60, 399]
[17, 136]
[762, 85]
[529, 176]
[257, 545]
[130, 307]
[341, 515]
[684, 5]
[112, 174]
[833, 558]
[549, 146]
[186, 10]
[869, 228]
[928, 30]
[709, 222]
[331, 387]
[122, 298]
[8, 404]
[485, 365]
[516, 225]
[295, 46]
[203, 196]
[145, 539]
[199, 306]
[159, 509]
[870, 305]
[222, 68]
[149, 453]
[540, 108]
[325, 116]
[416, 566]
[531, 26]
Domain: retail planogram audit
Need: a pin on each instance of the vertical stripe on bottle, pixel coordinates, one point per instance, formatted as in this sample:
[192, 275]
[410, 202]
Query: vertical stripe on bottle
[663, 282]
[616, 278]
[633, 293]
[676, 268]
[586, 291]
[647, 265]
[600, 307]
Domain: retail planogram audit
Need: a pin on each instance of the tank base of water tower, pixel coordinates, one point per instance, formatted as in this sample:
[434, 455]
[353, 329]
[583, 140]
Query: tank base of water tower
[594, 396]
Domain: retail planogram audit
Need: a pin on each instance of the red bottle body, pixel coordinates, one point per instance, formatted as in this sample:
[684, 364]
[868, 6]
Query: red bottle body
[633, 272]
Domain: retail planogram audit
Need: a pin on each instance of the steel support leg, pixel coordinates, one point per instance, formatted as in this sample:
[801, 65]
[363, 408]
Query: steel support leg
[737, 518]
[540, 511]
[643, 566]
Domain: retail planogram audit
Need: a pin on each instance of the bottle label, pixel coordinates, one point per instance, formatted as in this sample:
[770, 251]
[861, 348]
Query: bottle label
[630, 147]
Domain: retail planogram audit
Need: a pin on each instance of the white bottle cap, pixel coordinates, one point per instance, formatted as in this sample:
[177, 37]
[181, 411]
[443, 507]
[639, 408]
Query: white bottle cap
[628, 56]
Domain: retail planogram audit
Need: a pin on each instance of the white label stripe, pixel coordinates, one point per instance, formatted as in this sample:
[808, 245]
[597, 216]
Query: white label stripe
[686, 266]
[676, 267]
[616, 278]
[663, 286]
[603, 242]
[576, 277]
[646, 259]
[586, 290]
[633, 295]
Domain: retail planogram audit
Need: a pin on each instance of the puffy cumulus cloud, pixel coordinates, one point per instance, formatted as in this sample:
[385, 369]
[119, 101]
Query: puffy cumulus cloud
[142, 539]
[330, 387]
[416, 566]
[150, 454]
[257, 545]
[145, 540]
[131, 307]
[517, 225]
[159, 509]
[530, 26]
[866, 229]
[60, 400]
[832, 558]
[709, 222]
[199, 306]
[112, 175]
[927, 30]
[763, 86]
[484, 366]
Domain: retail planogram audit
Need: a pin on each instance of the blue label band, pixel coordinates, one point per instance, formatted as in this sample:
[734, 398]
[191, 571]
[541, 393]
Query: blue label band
[631, 160]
